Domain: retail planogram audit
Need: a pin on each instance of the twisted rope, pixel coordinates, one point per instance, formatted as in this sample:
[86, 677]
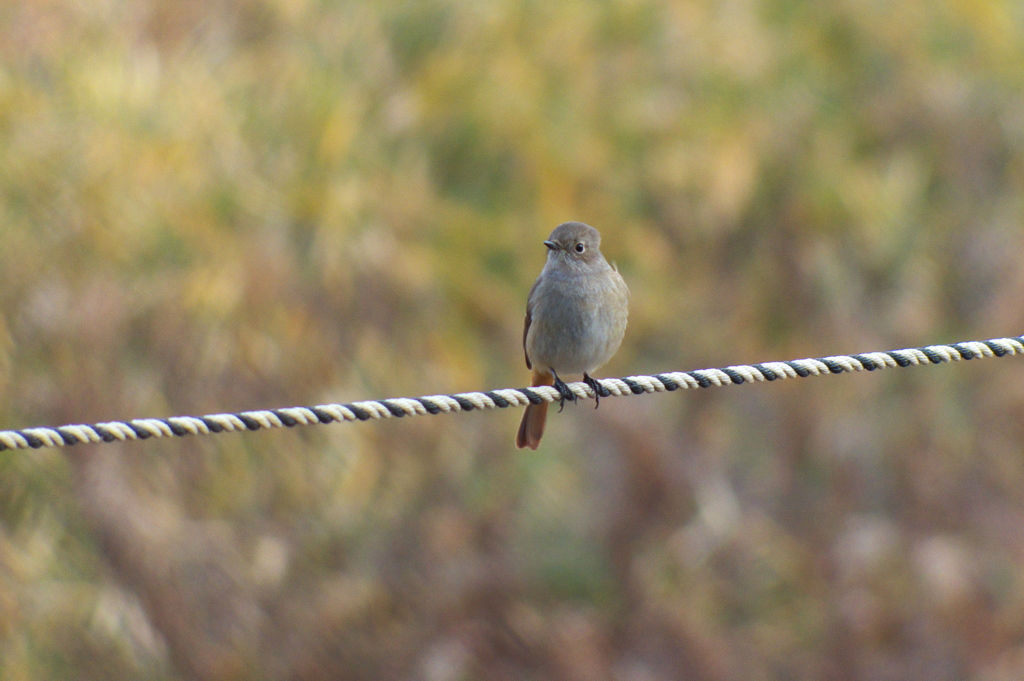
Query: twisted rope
[142, 429]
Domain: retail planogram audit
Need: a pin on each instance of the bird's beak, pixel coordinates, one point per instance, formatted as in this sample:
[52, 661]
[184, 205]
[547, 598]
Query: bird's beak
[552, 245]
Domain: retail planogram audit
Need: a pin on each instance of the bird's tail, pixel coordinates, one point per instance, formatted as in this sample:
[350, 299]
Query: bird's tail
[531, 428]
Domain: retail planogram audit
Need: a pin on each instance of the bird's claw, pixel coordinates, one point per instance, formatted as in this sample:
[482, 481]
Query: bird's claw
[598, 389]
[564, 392]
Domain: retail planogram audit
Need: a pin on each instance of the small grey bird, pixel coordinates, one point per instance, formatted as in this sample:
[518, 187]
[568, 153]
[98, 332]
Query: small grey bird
[575, 319]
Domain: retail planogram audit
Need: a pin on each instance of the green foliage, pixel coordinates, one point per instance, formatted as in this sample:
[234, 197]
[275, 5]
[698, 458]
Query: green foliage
[221, 206]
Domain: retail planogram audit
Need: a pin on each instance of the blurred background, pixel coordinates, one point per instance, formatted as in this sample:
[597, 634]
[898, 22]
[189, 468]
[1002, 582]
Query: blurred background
[220, 206]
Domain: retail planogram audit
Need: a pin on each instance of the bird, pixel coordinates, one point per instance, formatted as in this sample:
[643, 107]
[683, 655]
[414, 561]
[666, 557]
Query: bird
[575, 320]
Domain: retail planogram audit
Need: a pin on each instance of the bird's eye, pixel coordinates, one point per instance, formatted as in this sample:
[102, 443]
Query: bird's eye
[580, 248]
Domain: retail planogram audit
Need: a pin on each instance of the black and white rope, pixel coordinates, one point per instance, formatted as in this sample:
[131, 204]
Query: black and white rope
[142, 429]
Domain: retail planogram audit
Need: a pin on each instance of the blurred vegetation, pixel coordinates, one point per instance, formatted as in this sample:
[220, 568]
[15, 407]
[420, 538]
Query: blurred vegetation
[218, 206]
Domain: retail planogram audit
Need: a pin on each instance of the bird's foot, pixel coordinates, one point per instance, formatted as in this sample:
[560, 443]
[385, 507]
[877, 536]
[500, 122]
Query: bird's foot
[564, 391]
[599, 390]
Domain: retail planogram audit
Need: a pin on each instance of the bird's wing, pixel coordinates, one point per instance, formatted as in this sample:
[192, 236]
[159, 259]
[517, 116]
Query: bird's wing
[528, 321]
[526, 330]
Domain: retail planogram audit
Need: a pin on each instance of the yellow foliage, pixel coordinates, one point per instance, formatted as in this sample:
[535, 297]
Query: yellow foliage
[221, 206]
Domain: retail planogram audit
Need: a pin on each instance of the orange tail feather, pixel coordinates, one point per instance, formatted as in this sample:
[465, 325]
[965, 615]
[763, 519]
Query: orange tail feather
[531, 428]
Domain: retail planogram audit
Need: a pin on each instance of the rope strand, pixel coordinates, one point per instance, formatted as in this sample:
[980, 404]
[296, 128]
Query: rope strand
[142, 429]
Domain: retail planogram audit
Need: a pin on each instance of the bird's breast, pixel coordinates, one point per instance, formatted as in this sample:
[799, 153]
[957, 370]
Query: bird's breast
[578, 320]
